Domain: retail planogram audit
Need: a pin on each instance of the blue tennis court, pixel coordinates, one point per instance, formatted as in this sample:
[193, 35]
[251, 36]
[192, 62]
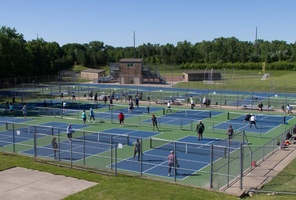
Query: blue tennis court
[265, 123]
[87, 145]
[80, 150]
[191, 158]
[13, 119]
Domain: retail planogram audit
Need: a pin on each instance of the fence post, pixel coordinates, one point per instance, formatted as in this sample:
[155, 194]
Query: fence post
[13, 138]
[71, 151]
[115, 160]
[35, 146]
[211, 166]
[141, 157]
[241, 165]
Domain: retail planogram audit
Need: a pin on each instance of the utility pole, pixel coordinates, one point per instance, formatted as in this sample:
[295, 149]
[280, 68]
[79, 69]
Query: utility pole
[134, 44]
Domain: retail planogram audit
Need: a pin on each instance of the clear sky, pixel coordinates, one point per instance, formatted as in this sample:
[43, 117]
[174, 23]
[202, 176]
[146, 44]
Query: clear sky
[154, 21]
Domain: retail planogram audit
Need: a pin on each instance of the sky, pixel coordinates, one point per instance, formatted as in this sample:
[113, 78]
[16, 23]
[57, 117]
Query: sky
[114, 22]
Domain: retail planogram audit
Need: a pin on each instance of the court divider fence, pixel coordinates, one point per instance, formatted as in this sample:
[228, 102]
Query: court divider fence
[221, 167]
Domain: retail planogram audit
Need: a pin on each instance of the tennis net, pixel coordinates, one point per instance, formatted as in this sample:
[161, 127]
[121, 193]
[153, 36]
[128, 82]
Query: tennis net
[49, 130]
[192, 148]
[267, 119]
[110, 138]
[187, 113]
[125, 108]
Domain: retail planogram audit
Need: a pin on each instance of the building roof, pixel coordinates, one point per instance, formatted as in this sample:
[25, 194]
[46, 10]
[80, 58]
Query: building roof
[133, 60]
[93, 70]
[199, 71]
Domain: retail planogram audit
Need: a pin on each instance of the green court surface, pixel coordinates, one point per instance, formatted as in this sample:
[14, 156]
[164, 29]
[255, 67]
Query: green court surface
[177, 132]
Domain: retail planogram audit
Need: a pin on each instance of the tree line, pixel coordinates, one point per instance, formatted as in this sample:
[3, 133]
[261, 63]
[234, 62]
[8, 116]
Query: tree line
[19, 57]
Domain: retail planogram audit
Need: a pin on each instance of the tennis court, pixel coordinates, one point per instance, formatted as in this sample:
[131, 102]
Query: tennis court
[87, 144]
[184, 117]
[265, 123]
[17, 133]
[192, 156]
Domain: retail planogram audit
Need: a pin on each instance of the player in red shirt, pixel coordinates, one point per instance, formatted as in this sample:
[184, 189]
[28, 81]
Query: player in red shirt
[121, 119]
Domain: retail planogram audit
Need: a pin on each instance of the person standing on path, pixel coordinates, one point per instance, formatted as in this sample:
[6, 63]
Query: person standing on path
[200, 129]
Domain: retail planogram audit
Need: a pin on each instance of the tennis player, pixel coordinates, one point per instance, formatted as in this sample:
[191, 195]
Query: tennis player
[83, 116]
[91, 115]
[169, 107]
[54, 147]
[11, 108]
[131, 106]
[137, 149]
[200, 127]
[172, 160]
[121, 119]
[230, 133]
[260, 108]
[154, 122]
[24, 109]
[247, 118]
[70, 131]
[253, 121]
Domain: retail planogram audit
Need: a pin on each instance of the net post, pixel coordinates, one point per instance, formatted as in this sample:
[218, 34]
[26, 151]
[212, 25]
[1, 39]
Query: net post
[284, 119]
[228, 116]
[210, 114]
[150, 142]
[163, 111]
[191, 125]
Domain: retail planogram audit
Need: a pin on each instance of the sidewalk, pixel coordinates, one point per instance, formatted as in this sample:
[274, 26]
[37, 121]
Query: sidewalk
[264, 172]
[26, 184]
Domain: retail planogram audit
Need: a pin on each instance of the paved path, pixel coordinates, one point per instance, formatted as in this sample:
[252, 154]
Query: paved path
[264, 172]
[26, 184]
